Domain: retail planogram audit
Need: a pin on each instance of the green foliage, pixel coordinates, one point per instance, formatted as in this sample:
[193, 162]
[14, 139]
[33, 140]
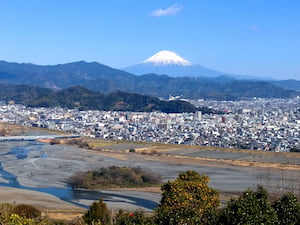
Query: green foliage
[15, 219]
[135, 218]
[252, 207]
[98, 213]
[11, 214]
[186, 200]
[115, 176]
[6, 207]
[27, 211]
[84, 99]
[288, 209]
[289, 84]
[105, 79]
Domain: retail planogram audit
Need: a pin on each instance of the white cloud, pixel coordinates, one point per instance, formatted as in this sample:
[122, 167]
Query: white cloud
[171, 11]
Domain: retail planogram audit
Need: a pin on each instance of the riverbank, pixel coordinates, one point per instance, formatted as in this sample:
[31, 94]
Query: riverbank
[41, 200]
[42, 167]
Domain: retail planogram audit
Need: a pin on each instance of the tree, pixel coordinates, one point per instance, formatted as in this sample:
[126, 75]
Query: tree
[135, 218]
[252, 207]
[98, 212]
[27, 211]
[186, 200]
[288, 209]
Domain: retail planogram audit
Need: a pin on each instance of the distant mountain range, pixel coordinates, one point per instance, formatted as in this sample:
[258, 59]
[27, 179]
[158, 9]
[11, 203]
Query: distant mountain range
[84, 99]
[171, 64]
[105, 79]
[287, 84]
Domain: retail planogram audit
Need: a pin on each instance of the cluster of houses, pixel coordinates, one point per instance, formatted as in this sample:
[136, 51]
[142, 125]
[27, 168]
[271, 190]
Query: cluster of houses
[259, 124]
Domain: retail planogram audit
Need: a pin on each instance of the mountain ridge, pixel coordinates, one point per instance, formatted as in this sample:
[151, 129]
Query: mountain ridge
[170, 63]
[99, 77]
[85, 99]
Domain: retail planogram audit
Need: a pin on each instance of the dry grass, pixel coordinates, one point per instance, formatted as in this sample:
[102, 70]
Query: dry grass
[67, 215]
[14, 130]
[156, 189]
[99, 144]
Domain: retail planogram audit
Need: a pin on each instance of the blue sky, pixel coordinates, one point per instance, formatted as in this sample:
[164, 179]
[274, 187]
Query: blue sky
[248, 37]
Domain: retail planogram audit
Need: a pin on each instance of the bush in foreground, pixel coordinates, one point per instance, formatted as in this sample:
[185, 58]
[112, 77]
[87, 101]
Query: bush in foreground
[27, 211]
[252, 207]
[187, 200]
[287, 209]
[98, 214]
[135, 218]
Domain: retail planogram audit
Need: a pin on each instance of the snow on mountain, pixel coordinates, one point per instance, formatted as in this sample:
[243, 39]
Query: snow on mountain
[169, 63]
[167, 58]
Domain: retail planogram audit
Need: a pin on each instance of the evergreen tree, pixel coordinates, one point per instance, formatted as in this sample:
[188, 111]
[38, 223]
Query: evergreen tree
[98, 212]
[252, 207]
[288, 209]
[186, 200]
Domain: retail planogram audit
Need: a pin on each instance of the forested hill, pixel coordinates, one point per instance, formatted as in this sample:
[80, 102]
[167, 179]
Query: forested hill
[105, 79]
[84, 99]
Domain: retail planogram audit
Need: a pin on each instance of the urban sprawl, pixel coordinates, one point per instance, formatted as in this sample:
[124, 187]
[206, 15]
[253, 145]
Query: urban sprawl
[259, 124]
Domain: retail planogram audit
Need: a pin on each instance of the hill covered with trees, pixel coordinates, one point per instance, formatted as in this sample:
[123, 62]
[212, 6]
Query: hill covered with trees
[84, 99]
[105, 79]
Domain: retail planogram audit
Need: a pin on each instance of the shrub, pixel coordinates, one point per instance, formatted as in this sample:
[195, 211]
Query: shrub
[6, 207]
[14, 219]
[187, 200]
[77, 141]
[98, 212]
[54, 142]
[115, 176]
[252, 207]
[135, 218]
[287, 209]
[27, 211]
[132, 150]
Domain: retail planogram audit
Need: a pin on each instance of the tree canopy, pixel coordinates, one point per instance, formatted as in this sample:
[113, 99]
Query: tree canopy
[187, 199]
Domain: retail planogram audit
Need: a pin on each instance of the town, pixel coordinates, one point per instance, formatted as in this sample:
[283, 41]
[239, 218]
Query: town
[257, 124]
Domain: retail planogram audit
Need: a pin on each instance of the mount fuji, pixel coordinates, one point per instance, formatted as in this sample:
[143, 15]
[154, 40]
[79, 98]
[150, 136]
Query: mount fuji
[171, 64]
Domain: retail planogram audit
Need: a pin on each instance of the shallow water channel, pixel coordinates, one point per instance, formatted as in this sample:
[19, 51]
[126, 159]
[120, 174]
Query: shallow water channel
[27, 150]
[42, 167]
[21, 153]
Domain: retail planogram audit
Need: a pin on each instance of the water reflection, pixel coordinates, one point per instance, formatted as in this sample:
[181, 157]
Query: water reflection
[11, 178]
[66, 194]
[20, 153]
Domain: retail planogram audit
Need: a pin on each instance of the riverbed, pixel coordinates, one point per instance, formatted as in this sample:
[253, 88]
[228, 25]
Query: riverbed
[46, 168]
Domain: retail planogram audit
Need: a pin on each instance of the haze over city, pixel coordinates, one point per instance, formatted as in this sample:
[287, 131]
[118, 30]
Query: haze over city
[248, 37]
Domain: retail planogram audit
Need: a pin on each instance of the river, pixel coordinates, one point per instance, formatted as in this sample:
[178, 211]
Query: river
[17, 153]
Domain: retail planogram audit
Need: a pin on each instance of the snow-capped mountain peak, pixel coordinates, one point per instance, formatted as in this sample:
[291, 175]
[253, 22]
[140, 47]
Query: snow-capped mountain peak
[167, 58]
